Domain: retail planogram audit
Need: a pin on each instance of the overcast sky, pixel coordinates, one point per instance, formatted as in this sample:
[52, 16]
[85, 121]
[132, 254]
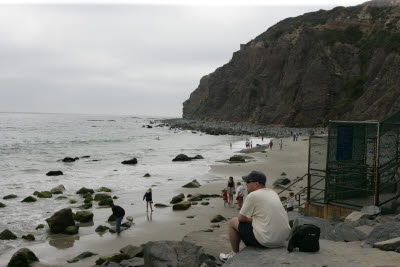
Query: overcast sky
[132, 59]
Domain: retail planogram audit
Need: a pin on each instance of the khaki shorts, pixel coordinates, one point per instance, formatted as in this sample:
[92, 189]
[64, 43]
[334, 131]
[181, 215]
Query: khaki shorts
[231, 190]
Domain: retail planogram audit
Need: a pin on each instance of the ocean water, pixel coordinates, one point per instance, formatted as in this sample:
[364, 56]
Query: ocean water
[32, 145]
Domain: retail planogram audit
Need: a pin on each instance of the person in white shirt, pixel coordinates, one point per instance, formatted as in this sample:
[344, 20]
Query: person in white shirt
[290, 202]
[262, 221]
[239, 194]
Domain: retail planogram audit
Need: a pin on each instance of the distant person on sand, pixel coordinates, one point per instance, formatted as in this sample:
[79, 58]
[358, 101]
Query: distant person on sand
[239, 194]
[262, 221]
[225, 196]
[231, 190]
[149, 199]
[119, 213]
[230, 145]
[280, 145]
[251, 144]
[270, 145]
[294, 137]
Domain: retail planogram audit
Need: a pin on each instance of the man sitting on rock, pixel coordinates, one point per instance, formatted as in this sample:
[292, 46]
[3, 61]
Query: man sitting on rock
[119, 213]
[262, 221]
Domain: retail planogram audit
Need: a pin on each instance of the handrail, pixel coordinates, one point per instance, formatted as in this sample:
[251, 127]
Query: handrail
[298, 180]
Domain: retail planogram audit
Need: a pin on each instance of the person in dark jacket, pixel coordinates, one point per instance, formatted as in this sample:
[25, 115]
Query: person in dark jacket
[149, 200]
[119, 213]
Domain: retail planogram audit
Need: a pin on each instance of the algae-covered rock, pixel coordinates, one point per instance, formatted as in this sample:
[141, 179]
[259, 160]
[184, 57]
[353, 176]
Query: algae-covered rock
[7, 235]
[237, 158]
[61, 197]
[22, 258]
[218, 218]
[83, 216]
[58, 189]
[147, 175]
[71, 230]
[45, 194]
[117, 258]
[29, 237]
[104, 189]
[86, 206]
[29, 199]
[40, 226]
[72, 201]
[192, 184]
[112, 218]
[10, 196]
[85, 190]
[177, 198]
[88, 199]
[160, 205]
[184, 205]
[101, 196]
[106, 202]
[2, 205]
[101, 228]
[61, 220]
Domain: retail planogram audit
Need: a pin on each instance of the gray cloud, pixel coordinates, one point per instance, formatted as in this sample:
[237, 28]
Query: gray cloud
[119, 59]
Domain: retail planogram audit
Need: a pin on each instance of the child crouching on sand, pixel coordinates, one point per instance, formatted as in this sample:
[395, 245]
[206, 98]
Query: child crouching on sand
[225, 196]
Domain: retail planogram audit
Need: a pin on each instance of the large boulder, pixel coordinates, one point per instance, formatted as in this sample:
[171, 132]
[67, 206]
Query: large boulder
[83, 216]
[101, 196]
[178, 198]
[58, 189]
[372, 211]
[173, 253]
[84, 191]
[132, 251]
[44, 194]
[383, 232]
[355, 216]
[10, 196]
[61, 220]
[130, 162]
[182, 157]
[388, 245]
[7, 235]
[54, 173]
[22, 258]
[281, 181]
[29, 199]
[192, 184]
[184, 205]
[332, 230]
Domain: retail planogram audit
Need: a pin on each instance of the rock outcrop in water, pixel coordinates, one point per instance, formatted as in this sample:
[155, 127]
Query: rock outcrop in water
[338, 64]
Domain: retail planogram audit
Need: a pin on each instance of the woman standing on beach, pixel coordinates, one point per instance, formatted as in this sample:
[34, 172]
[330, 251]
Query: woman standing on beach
[149, 199]
[231, 189]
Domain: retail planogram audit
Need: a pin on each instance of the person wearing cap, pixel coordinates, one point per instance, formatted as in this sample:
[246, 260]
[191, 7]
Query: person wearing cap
[262, 220]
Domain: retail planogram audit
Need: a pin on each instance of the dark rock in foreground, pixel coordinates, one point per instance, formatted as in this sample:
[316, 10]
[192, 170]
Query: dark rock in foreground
[182, 157]
[54, 173]
[61, 220]
[7, 235]
[81, 256]
[173, 253]
[218, 218]
[177, 198]
[22, 258]
[101, 228]
[130, 162]
[192, 184]
[383, 232]
[29, 237]
[29, 199]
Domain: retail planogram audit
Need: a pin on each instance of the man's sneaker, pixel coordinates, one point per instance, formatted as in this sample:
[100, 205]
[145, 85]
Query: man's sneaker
[225, 257]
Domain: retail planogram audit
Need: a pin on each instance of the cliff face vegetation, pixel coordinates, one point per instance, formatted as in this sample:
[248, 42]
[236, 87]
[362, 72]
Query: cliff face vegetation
[338, 64]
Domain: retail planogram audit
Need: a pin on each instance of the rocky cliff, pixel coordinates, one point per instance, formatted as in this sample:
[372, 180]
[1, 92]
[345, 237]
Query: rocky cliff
[338, 64]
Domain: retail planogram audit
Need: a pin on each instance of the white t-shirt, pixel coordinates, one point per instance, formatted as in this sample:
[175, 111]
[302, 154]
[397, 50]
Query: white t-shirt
[239, 189]
[290, 202]
[270, 221]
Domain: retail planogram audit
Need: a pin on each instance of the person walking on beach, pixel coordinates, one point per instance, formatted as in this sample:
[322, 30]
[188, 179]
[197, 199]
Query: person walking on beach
[280, 145]
[149, 200]
[270, 144]
[225, 196]
[239, 194]
[262, 221]
[119, 213]
[231, 190]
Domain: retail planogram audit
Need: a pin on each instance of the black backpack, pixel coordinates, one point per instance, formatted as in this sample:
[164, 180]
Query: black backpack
[305, 237]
